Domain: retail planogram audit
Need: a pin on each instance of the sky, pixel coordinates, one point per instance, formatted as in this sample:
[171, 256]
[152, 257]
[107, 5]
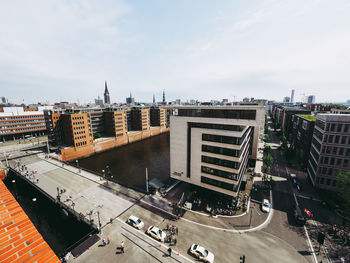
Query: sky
[199, 49]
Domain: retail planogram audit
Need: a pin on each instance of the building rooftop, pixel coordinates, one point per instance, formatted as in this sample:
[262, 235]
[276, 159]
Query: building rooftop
[308, 117]
[19, 239]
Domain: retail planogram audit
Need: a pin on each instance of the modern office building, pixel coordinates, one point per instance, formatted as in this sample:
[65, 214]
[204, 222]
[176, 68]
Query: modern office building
[292, 96]
[17, 122]
[302, 133]
[210, 146]
[330, 151]
[311, 99]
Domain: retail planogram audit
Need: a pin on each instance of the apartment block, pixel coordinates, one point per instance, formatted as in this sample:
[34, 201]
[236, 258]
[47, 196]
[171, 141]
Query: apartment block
[303, 129]
[330, 151]
[16, 122]
[210, 146]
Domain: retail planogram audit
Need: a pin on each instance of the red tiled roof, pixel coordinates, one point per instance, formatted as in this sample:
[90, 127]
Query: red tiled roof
[20, 241]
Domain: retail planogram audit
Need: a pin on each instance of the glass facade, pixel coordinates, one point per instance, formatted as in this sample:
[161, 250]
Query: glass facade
[219, 150]
[216, 183]
[220, 162]
[219, 173]
[219, 113]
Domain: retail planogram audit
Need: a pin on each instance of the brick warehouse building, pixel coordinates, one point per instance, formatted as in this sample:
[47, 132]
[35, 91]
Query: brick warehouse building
[77, 132]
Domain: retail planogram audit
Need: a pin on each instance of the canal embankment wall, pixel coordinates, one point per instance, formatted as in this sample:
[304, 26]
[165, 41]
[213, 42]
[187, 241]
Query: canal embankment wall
[104, 144]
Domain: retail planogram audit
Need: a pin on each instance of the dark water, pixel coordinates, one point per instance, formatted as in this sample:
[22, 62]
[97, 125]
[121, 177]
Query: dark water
[61, 231]
[128, 163]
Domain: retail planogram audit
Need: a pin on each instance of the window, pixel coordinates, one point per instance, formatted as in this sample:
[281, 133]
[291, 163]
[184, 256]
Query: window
[330, 139]
[339, 127]
[220, 162]
[328, 181]
[333, 127]
[336, 139]
[219, 173]
[216, 183]
[343, 140]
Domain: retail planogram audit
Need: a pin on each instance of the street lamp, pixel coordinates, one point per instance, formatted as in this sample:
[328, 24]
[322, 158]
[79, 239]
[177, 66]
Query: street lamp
[78, 165]
[103, 174]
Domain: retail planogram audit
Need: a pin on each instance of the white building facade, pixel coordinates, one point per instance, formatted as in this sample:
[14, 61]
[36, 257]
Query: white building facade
[210, 146]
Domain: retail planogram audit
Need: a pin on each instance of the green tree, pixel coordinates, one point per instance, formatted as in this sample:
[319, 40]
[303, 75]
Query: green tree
[97, 135]
[268, 160]
[267, 138]
[267, 149]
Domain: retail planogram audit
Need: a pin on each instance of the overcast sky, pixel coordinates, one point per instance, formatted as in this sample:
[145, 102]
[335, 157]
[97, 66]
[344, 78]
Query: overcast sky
[65, 50]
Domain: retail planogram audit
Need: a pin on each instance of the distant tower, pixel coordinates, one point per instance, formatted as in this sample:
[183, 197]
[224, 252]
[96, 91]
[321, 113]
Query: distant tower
[154, 99]
[107, 99]
[292, 96]
[164, 103]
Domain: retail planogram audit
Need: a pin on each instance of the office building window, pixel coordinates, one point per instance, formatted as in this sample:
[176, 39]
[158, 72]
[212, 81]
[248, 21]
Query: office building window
[217, 183]
[219, 173]
[220, 162]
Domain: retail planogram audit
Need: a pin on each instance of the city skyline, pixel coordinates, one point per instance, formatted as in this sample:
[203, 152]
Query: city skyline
[261, 49]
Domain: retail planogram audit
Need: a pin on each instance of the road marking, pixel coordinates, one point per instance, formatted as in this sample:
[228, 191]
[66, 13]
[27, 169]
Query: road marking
[159, 243]
[310, 245]
[268, 219]
[308, 197]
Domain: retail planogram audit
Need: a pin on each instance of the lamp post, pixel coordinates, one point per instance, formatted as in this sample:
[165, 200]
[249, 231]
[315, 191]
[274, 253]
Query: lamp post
[103, 174]
[78, 166]
[14, 188]
[146, 180]
[99, 221]
[35, 209]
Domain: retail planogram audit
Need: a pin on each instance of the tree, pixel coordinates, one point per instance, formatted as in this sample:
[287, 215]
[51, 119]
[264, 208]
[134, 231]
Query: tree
[267, 138]
[97, 135]
[267, 149]
[268, 160]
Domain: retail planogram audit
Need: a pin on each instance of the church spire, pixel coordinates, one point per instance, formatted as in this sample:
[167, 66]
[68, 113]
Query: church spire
[106, 94]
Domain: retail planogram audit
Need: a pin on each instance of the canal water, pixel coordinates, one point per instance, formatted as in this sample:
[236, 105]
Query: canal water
[128, 163]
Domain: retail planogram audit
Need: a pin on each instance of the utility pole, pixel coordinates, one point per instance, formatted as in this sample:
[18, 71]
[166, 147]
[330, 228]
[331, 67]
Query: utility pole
[146, 180]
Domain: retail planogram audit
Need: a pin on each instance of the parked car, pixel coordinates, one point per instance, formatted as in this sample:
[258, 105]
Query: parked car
[201, 253]
[135, 222]
[266, 206]
[156, 233]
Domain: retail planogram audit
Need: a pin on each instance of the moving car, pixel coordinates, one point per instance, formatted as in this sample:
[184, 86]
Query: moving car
[266, 206]
[135, 222]
[308, 213]
[156, 233]
[201, 253]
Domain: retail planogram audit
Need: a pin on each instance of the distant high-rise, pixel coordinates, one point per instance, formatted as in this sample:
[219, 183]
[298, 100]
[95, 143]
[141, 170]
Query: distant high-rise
[106, 95]
[292, 96]
[154, 99]
[164, 102]
[286, 99]
[130, 100]
[311, 99]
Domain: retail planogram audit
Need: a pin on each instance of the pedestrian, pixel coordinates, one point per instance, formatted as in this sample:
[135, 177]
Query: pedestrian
[169, 251]
[122, 247]
[104, 241]
[108, 240]
[175, 241]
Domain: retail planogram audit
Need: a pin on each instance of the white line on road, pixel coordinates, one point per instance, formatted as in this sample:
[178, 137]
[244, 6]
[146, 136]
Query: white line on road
[310, 245]
[268, 219]
[159, 243]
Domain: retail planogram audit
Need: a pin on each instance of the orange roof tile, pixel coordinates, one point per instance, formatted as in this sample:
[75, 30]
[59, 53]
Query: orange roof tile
[20, 241]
